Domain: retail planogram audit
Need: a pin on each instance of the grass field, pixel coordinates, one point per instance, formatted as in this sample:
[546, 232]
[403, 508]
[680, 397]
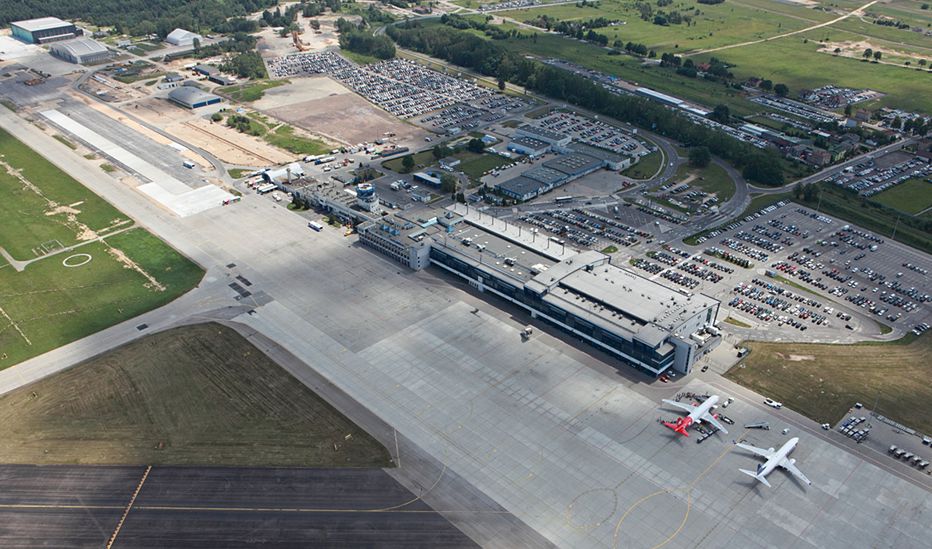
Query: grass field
[421, 160]
[823, 381]
[284, 137]
[194, 395]
[794, 60]
[253, 91]
[911, 196]
[117, 272]
[646, 167]
[711, 179]
[475, 165]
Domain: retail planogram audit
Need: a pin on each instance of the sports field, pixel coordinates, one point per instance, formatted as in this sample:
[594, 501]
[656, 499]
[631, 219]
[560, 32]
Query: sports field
[911, 196]
[79, 265]
[194, 395]
[823, 381]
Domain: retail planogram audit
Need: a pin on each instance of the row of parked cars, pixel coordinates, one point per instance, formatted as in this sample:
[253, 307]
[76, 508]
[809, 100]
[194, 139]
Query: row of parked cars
[908, 457]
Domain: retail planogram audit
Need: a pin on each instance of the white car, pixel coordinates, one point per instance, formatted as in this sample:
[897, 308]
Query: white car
[773, 403]
[728, 401]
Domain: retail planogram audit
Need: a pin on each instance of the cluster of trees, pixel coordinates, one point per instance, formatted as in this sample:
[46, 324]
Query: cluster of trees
[247, 64]
[138, 17]
[313, 9]
[243, 60]
[278, 18]
[359, 40]
[634, 49]
[242, 124]
[891, 23]
[468, 50]
[710, 2]
[581, 30]
[868, 53]
[700, 157]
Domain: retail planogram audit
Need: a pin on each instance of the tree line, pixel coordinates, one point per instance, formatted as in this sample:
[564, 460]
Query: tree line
[468, 50]
[138, 17]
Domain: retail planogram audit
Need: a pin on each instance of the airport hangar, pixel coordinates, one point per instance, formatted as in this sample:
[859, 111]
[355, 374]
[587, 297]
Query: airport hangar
[43, 30]
[191, 97]
[645, 324]
[80, 50]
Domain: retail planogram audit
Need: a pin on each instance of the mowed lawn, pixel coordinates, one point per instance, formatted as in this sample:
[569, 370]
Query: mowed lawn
[27, 220]
[823, 381]
[711, 179]
[117, 271]
[911, 196]
[194, 395]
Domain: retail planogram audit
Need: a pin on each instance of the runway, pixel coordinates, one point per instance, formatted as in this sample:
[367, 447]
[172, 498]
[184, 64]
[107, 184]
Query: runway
[82, 506]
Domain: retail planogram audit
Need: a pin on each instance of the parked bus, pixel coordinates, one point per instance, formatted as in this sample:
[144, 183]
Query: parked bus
[560, 199]
[315, 225]
[324, 160]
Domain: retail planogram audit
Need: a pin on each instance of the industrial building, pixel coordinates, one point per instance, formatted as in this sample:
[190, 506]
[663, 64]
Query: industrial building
[642, 323]
[181, 37]
[43, 30]
[192, 98]
[81, 50]
[579, 160]
[556, 140]
[529, 146]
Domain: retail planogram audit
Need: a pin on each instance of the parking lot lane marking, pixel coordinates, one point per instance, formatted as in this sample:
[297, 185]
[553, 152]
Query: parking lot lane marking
[57, 506]
[129, 507]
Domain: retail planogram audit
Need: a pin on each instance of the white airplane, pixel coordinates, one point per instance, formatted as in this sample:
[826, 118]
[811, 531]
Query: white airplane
[696, 414]
[775, 458]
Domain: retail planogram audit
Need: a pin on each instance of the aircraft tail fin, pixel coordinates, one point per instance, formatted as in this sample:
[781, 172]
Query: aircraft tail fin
[757, 476]
[678, 427]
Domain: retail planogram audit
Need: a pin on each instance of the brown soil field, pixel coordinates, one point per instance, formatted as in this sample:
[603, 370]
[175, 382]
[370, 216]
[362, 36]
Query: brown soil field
[324, 107]
[193, 395]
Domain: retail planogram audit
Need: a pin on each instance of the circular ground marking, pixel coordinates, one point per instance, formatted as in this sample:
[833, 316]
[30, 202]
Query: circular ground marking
[76, 260]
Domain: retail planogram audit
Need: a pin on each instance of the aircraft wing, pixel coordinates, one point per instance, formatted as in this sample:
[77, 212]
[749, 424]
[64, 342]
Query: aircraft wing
[680, 405]
[710, 419]
[789, 466]
[759, 451]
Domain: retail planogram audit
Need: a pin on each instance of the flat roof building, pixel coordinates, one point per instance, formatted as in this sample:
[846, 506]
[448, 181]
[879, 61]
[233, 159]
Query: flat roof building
[574, 164]
[555, 139]
[641, 322]
[81, 50]
[43, 30]
[529, 146]
[192, 98]
[520, 188]
[181, 37]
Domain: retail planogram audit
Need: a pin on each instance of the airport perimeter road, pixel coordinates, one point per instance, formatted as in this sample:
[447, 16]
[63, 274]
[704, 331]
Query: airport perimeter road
[563, 442]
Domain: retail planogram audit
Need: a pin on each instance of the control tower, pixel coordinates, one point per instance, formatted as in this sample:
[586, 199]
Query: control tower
[366, 198]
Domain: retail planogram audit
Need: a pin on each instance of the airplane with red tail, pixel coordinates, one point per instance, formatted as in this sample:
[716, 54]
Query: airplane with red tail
[702, 412]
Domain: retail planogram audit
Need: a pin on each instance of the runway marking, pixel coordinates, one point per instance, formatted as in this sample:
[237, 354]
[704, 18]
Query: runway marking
[194, 508]
[129, 506]
[397, 451]
[687, 490]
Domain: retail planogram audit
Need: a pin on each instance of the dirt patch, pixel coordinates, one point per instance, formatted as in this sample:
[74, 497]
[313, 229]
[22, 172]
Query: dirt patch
[128, 263]
[855, 50]
[339, 115]
[229, 145]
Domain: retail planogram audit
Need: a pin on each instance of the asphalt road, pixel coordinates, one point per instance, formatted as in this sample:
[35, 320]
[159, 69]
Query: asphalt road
[82, 506]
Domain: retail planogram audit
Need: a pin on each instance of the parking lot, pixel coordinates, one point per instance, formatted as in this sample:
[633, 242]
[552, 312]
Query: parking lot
[401, 87]
[872, 177]
[595, 133]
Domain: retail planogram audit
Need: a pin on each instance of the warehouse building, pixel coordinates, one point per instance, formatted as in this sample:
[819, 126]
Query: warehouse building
[190, 97]
[640, 322]
[556, 140]
[43, 30]
[81, 50]
[181, 37]
[521, 188]
[529, 146]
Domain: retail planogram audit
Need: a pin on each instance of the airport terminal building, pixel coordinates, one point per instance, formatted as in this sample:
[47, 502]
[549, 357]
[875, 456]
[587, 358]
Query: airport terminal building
[642, 323]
